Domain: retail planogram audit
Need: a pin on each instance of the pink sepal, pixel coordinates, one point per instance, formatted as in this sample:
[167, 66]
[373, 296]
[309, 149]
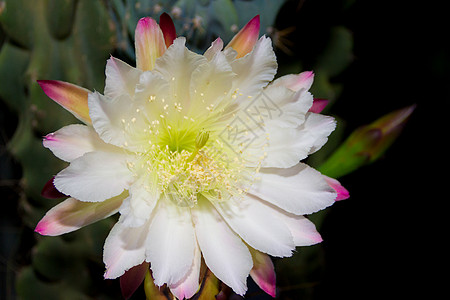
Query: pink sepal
[263, 272]
[132, 279]
[341, 191]
[70, 96]
[50, 192]
[167, 28]
[318, 105]
[149, 43]
[244, 41]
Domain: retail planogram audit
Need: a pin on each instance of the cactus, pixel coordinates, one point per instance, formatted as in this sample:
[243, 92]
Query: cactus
[65, 40]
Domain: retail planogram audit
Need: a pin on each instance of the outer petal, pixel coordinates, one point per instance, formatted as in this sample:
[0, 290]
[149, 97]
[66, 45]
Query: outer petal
[224, 252]
[132, 279]
[316, 129]
[303, 230]
[149, 43]
[110, 117]
[72, 214]
[137, 208]
[70, 96]
[341, 191]
[263, 272]
[94, 177]
[257, 226]
[255, 70]
[297, 82]
[244, 41]
[73, 141]
[167, 28]
[121, 78]
[189, 284]
[171, 243]
[124, 248]
[299, 190]
[215, 47]
[318, 105]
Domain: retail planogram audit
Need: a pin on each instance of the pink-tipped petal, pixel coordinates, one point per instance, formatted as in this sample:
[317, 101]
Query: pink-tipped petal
[296, 82]
[318, 105]
[244, 41]
[132, 279]
[50, 192]
[149, 42]
[72, 214]
[263, 272]
[167, 28]
[341, 191]
[70, 96]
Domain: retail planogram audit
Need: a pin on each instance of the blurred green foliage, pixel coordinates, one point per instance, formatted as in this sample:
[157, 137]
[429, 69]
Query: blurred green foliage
[70, 40]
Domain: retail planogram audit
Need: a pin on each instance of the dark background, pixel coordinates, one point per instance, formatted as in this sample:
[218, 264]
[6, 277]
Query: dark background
[380, 243]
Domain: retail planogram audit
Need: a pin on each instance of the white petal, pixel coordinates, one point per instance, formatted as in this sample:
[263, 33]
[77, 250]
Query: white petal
[287, 146]
[121, 78]
[138, 207]
[288, 108]
[109, 115]
[124, 248]
[189, 284]
[72, 214]
[176, 67]
[215, 47]
[296, 82]
[258, 227]
[96, 176]
[317, 128]
[171, 243]
[300, 190]
[224, 252]
[255, 70]
[303, 230]
[211, 82]
[72, 141]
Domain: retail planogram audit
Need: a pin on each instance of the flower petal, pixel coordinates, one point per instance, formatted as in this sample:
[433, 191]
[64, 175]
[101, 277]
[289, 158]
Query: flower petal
[255, 70]
[176, 66]
[70, 96]
[171, 243]
[149, 43]
[167, 28]
[50, 192]
[244, 41]
[303, 231]
[121, 78]
[73, 141]
[215, 47]
[316, 130]
[110, 116]
[341, 191]
[263, 272]
[189, 284]
[257, 226]
[132, 279]
[318, 105]
[297, 82]
[96, 176]
[124, 248]
[299, 189]
[224, 252]
[210, 83]
[137, 208]
[72, 214]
